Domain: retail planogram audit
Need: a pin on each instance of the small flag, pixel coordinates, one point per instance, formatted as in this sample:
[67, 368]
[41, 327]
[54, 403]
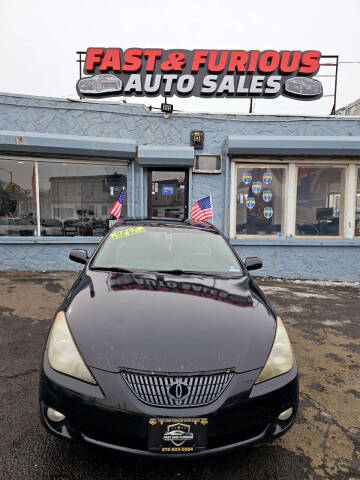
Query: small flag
[202, 209]
[116, 208]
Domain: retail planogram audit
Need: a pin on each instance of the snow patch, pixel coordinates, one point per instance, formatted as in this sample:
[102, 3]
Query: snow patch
[271, 289]
[313, 295]
[319, 283]
[335, 323]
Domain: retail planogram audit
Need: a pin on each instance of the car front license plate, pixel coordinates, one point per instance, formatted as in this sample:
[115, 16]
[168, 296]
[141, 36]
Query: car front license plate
[177, 435]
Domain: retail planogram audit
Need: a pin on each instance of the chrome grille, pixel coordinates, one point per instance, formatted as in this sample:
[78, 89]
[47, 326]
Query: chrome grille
[177, 391]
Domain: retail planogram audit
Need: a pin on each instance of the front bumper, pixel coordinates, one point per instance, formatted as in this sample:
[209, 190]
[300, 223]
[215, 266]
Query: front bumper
[96, 416]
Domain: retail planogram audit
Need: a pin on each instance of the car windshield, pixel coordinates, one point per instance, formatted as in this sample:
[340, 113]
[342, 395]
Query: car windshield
[166, 248]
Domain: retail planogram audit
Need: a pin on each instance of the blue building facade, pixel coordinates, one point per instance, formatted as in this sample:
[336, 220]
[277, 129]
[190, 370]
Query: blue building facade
[62, 161]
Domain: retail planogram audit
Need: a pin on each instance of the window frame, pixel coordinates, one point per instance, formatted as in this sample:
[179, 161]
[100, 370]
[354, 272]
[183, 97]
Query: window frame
[352, 173]
[38, 160]
[353, 218]
[252, 164]
[341, 228]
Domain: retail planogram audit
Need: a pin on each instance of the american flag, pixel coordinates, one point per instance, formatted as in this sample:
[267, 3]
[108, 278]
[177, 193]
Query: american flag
[116, 208]
[202, 209]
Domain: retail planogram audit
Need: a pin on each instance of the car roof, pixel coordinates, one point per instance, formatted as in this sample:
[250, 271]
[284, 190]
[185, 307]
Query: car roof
[166, 222]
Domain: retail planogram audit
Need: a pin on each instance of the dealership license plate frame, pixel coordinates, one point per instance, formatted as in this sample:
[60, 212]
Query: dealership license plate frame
[164, 435]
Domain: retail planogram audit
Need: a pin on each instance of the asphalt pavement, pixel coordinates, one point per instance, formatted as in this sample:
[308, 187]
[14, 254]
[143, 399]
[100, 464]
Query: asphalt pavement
[323, 322]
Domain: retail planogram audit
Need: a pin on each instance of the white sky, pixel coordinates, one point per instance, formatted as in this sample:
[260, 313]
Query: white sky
[39, 39]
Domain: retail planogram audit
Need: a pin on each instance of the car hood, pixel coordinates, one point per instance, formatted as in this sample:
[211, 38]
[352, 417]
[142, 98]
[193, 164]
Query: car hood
[168, 323]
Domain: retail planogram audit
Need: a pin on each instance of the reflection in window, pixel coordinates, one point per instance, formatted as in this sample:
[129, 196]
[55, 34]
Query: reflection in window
[75, 199]
[320, 201]
[17, 198]
[167, 194]
[259, 201]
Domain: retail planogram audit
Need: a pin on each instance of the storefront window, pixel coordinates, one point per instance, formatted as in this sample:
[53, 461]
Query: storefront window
[260, 200]
[17, 198]
[320, 201]
[357, 213]
[75, 199]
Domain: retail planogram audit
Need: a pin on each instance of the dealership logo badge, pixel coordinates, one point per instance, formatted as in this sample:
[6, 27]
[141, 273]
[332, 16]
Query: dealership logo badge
[246, 178]
[268, 212]
[256, 187]
[267, 195]
[267, 178]
[250, 202]
[178, 433]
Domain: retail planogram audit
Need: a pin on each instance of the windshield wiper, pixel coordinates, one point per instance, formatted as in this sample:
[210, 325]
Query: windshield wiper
[179, 271]
[112, 269]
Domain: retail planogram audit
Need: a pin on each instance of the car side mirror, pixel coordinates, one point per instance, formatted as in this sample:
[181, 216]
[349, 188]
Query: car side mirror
[253, 263]
[79, 255]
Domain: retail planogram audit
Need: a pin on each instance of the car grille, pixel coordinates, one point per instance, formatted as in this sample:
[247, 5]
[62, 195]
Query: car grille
[177, 391]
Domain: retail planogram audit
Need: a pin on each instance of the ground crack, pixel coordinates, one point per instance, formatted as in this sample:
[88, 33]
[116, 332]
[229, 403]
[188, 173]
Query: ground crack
[22, 374]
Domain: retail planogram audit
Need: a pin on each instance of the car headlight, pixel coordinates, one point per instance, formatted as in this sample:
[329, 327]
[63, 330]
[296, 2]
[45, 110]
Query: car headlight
[63, 354]
[281, 358]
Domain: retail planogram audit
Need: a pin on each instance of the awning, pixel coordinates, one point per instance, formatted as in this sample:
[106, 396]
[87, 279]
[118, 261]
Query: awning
[166, 156]
[293, 145]
[51, 144]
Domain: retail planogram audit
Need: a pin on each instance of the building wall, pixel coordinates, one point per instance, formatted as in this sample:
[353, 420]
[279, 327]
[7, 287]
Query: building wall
[44, 115]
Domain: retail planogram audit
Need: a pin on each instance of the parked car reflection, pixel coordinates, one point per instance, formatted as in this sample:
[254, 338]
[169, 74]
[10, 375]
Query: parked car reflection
[16, 226]
[99, 227]
[51, 226]
[81, 226]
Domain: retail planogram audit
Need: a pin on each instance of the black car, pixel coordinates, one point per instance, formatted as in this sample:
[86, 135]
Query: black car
[166, 345]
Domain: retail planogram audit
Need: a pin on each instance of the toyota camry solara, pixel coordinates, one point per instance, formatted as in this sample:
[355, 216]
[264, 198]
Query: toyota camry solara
[165, 345]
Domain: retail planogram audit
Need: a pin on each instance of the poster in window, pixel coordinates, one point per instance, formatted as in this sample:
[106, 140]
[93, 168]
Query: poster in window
[168, 189]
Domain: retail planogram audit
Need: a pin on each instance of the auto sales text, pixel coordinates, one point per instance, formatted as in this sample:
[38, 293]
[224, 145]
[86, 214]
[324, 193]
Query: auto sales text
[201, 73]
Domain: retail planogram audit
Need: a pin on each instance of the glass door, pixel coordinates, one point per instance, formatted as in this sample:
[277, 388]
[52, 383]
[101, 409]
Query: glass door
[168, 193]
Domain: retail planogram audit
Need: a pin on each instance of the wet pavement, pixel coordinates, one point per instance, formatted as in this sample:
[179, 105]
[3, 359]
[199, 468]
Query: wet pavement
[324, 325]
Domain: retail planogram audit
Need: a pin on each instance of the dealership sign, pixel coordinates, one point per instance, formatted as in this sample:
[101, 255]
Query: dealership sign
[201, 73]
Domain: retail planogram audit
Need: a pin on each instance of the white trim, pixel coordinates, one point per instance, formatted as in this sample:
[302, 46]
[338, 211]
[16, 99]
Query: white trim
[37, 193]
[350, 201]
[233, 184]
[190, 188]
[92, 161]
[290, 205]
[142, 191]
[132, 189]
[300, 161]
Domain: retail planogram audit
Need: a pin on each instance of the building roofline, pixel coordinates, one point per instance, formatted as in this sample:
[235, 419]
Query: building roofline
[142, 109]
